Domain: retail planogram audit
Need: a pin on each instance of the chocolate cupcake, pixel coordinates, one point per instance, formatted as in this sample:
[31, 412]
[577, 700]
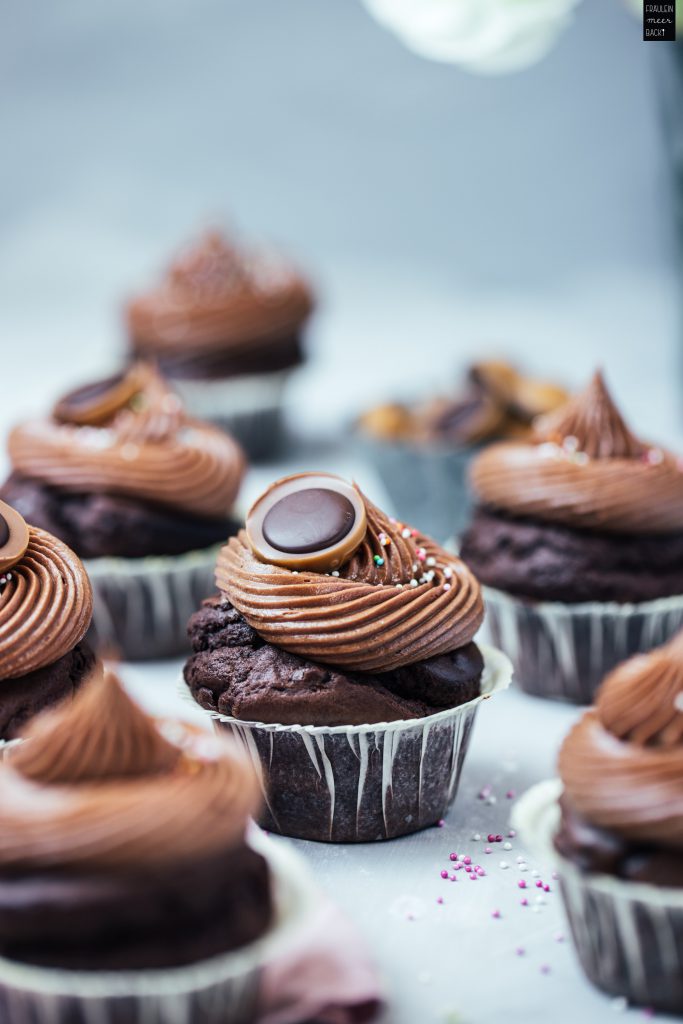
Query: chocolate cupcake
[422, 451]
[226, 326]
[578, 536]
[129, 890]
[618, 830]
[45, 612]
[340, 653]
[141, 491]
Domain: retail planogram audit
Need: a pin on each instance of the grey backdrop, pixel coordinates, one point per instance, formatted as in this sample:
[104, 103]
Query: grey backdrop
[443, 214]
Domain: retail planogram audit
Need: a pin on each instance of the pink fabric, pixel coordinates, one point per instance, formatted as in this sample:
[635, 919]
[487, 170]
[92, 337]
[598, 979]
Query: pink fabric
[325, 976]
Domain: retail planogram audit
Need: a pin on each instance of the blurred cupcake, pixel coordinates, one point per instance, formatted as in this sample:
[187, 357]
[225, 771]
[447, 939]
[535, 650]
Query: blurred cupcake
[140, 491]
[578, 536]
[618, 830]
[340, 653]
[128, 887]
[45, 612]
[422, 452]
[226, 326]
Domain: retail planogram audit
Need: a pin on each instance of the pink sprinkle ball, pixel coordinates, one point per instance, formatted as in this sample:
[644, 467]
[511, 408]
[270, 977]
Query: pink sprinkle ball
[499, 839]
[453, 856]
[491, 838]
[511, 834]
[439, 900]
[467, 860]
[539, 884]
[521, 883]
[497, 914]
[440, 823]
[545, 969]
[487, 849]
[546, 888]
[510, 795]
[524, 903]
[444, 874]
[520, 951]
[472, 877]
[453, 878]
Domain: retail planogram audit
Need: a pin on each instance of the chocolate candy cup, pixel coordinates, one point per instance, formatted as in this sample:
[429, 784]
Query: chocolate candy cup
[14, 537]
[309, 521]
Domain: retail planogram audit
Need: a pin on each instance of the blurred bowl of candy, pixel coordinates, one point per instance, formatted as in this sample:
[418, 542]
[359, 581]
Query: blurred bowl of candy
[422, 451]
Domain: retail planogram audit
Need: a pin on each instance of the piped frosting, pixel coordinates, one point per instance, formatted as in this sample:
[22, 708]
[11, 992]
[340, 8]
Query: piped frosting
[400, 599]
[99, 786]
[584, 469]
[45, 606]
[622, 764]
[144, 446]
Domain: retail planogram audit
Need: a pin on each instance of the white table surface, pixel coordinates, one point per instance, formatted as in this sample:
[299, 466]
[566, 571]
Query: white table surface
[453, 963]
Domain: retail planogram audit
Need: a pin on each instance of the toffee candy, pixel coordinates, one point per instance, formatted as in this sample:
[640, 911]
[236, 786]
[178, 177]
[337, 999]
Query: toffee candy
[312, 521]
[13, 537]
[93, 404]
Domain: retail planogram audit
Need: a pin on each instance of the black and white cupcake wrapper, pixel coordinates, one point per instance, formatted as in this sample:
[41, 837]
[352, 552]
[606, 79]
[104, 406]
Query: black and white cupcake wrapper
[223, 990]
[362, 783]
[141, 606]
[249, 407]
[427, 484]
[563, 651]
[628, 935]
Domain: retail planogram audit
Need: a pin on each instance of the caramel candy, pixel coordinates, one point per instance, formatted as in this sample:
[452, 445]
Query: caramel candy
[94, 404]
[13, 537]
[310, 521]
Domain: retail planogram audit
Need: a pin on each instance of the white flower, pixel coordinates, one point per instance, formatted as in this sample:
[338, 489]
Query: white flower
[482, 35]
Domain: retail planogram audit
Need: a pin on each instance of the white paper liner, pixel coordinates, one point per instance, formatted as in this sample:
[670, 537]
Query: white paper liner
[563, 651]
[141, 606]
[222, 990]
[427, 484]
[6, 747]
[628, 935]
[248, 406]
[362, 783]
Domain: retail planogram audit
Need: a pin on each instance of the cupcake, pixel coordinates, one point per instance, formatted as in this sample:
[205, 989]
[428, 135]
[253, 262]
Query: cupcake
[45, 612]
[340, 653]
[140, 491]
[422, 451]
[226, 326]
[128, 888]
[578, 536]
[618, 830]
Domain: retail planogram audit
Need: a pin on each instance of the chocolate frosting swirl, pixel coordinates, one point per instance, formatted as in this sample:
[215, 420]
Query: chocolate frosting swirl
[45, 606]
[216, 297]
[148, 449]
[400, 599]
[622, 764]
[585, 469]
[98, 786]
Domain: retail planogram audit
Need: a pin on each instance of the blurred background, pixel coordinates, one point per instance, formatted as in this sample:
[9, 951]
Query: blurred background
[443, 215]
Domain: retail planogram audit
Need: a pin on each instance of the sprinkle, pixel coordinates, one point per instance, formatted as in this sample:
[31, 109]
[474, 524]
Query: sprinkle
[439, 900]
[446, 586]
[335, 572]
[535, 874]
[453, 856]
[554, 875]
[431, 560]
[448, 572]
[524, 902]
[512, 833]
[413, 583]
[476, 837]
[523, 867]
[540, 899]
[378, 560]
[399, 586]
[420, 554]
[497, 914]
[405, 533]
[499, 838]
[384, 539]
[487, 849]
[520, 951]
[521, 884]
[570, 443]
[444, 874]
[467, 860]
[546, 887]
[453, 878]
[491, 837]
[519, 859]
[473, 877]
[559, 937]
[545, 969]
[507, 846]
[485, 792]
[539, 884]
[440, 823]
[510, 795]
[480, 871]
[503, 865]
